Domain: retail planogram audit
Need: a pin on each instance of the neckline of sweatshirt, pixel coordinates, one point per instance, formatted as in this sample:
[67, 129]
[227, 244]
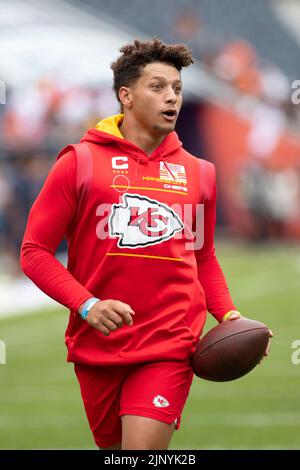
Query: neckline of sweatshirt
[107, 132]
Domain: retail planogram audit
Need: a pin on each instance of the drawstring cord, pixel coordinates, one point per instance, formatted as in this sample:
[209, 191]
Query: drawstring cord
[163, 159]
[137, 165]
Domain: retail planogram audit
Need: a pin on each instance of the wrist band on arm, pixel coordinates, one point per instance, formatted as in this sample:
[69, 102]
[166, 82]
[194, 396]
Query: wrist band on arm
[227, 315]
[88, 304]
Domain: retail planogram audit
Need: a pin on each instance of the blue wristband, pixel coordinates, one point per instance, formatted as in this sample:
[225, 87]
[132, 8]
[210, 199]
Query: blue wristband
[88, 304]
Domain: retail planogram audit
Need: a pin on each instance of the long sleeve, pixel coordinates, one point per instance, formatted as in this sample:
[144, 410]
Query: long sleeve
[210, 274]
[48, 222]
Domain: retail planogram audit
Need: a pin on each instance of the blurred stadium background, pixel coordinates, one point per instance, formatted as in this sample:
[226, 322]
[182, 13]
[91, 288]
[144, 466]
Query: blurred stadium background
[55, 82]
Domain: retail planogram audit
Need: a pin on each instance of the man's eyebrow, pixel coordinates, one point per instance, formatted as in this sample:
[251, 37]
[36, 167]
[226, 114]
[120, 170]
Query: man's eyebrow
[163, 78]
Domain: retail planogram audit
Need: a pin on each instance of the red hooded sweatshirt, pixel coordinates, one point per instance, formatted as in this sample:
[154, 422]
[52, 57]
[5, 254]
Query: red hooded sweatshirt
[132, 235]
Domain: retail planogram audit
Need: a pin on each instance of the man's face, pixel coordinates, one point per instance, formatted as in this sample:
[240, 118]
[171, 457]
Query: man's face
[157, 98]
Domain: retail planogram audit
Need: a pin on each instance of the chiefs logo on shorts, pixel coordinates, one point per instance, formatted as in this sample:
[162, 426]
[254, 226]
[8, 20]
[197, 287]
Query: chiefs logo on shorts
[160, 402]
[140, 221]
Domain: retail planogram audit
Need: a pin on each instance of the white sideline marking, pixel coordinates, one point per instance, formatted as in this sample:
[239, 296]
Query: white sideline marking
[21, 296]
[243, 419]
[40, 421]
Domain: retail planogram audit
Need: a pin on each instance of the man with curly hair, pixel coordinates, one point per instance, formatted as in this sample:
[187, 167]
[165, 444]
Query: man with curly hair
[137, 285]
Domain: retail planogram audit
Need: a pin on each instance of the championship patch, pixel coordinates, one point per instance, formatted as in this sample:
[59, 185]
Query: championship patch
[140, 221]
[172, 172]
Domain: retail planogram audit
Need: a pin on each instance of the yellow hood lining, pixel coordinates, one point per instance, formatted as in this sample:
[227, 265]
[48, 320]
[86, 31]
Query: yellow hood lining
[111, 124]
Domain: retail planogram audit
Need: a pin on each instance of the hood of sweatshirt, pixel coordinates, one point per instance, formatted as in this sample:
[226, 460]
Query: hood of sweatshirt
[107, 132]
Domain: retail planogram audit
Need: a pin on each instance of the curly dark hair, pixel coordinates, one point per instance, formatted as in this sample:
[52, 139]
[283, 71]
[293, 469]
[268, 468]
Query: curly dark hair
[128, 67]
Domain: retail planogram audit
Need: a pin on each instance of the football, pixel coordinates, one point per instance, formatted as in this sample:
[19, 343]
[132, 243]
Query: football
[230, 350]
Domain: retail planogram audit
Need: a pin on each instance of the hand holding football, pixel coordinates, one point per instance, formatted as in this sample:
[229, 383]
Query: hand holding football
[230, 350]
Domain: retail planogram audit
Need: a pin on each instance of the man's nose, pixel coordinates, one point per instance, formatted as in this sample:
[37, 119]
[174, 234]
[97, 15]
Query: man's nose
[171, 96]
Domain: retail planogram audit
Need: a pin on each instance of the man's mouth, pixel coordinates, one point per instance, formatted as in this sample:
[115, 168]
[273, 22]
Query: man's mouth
[170, 114]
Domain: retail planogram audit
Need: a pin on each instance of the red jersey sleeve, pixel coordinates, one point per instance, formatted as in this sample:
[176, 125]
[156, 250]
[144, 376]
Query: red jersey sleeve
[210, 274]
[48, 222]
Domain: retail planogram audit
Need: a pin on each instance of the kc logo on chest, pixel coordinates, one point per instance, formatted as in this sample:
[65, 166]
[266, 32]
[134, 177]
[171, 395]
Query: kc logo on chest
[140, 221]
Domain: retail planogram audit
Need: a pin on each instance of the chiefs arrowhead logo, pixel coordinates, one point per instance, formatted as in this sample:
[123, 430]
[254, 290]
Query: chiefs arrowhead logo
[160, 402]
[140, 221]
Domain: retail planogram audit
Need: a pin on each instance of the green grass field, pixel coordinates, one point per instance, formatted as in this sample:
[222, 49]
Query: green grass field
[41, 408]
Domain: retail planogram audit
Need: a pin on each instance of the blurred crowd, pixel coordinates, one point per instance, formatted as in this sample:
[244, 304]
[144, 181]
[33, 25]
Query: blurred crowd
[271, 197]
[268, 191]
[36, 123]
[237, 62]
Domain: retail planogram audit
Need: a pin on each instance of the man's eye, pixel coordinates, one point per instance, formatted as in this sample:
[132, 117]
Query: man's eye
[178, 89]
[156, 86]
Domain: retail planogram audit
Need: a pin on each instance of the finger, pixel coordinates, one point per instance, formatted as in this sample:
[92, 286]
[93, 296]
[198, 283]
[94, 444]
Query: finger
[110, 325]
[125, 306]
[130, 309]
[123, 311]
[116, 318]
[103, 329]
[234, 316]
[98, 325]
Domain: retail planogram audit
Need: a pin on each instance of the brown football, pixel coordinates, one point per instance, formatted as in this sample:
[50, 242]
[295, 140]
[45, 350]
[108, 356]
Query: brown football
[230, 350]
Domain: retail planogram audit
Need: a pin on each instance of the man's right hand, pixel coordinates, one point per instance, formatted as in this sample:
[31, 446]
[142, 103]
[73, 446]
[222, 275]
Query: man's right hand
[108, 315]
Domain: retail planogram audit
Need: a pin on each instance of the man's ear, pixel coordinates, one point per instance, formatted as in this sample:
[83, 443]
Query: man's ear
[125, 96]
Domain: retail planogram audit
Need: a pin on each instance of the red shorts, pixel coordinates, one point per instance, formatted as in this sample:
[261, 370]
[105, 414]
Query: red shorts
[156, 390]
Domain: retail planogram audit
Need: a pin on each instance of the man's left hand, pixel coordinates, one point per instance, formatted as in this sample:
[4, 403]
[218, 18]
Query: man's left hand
[236, 316]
